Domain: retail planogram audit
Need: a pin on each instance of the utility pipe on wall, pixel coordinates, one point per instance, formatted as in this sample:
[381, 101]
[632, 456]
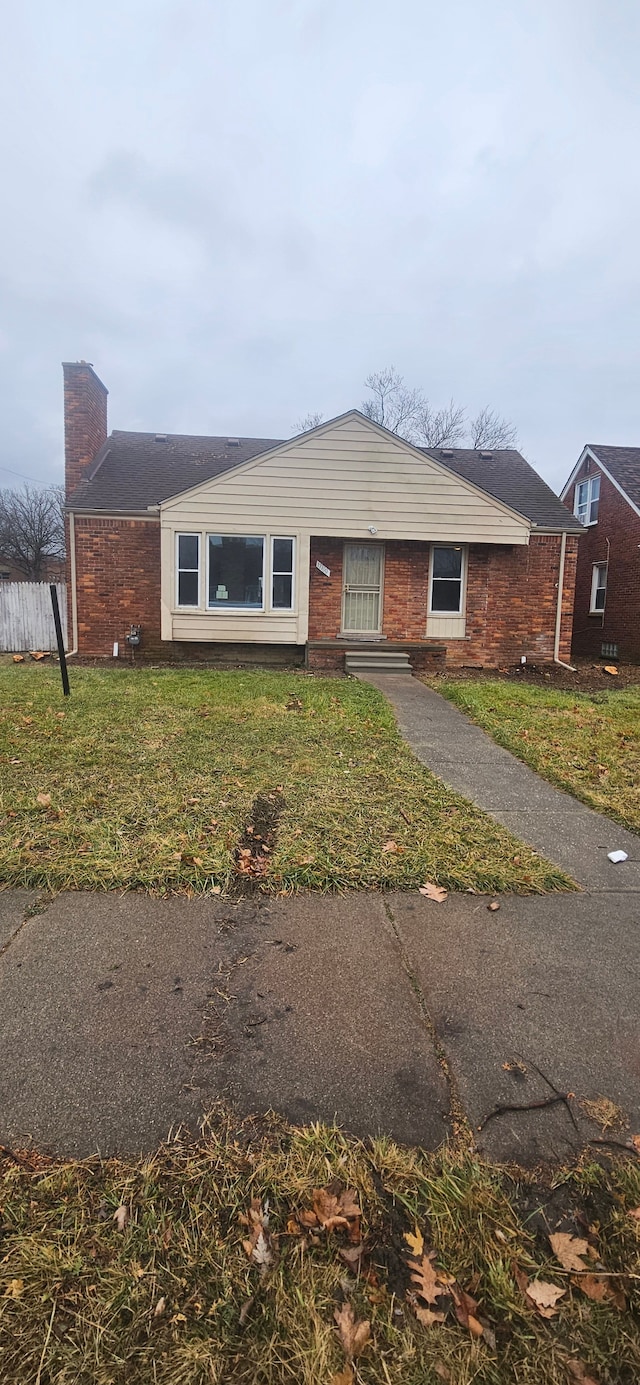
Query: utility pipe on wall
[556, 643]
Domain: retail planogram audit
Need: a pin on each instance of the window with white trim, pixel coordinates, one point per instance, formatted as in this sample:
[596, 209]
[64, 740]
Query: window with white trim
[282, 574]
[188, 567]
[598, 588]
[586, 500]
[236, 572]
[447, 575]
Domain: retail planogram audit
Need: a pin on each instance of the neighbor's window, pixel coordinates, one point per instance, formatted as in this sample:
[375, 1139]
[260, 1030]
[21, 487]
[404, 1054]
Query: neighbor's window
[446, 581]
[598, 588]
[586, 500]
[236, 572]
[282, 574]
[188, 569]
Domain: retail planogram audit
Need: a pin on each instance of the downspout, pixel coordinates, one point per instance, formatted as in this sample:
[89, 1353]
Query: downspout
[74, 593]
[556, 643]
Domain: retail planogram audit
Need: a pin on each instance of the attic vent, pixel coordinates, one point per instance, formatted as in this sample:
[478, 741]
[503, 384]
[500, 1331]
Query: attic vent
[446, 452]
[161, 437]
[484, 453]
[233, 442]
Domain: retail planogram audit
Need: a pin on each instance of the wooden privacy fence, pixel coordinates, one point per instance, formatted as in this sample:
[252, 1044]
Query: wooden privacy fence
[26, 617]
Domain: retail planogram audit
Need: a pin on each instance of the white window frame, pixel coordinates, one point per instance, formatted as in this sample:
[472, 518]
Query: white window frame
[282, 610]
[591, 500]
[597, 586]
[449, 615]
[188, 534]
[230, 609]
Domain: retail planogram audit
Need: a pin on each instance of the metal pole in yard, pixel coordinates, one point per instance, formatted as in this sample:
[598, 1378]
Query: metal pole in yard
[58, 624]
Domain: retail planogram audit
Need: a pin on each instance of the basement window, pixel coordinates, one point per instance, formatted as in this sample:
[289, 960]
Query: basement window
[447, 570]
[586, 500]
[236, 572]
[598, 588]
[188, 565]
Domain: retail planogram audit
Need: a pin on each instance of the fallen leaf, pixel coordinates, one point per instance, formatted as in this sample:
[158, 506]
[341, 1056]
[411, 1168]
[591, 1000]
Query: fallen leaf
[392, 848]
[495, 904]
[121, 1216]
[514, 1065]
[37, 654]
[568, 1250]
[160, 1307]
[334, 1211]
[578, 1373]
[600, 1289]
[466, 1307]
[258, 1245]
[354, 1334]
[442, 1371]
[15, 1288]
[44, 799]
[415, 1241]
[18, 658]
[608, 668]
[352, 1255]
[426, 1278]
[344, 1377]
[427, 1317]
[544, 1296]
[635, 1140]
[435, 892]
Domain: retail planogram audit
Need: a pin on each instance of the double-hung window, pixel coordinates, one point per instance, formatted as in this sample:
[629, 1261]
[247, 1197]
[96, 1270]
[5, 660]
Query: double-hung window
[188, 565]
[282, 574]
[586, 500]
[447, 573]
[598, 588]
[236, 572]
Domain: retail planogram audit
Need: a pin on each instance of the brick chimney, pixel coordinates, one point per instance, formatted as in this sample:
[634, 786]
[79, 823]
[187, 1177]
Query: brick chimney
[85, 420]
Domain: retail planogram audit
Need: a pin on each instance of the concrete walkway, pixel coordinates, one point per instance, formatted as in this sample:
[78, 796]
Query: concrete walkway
[555, 824]
[121, 1016]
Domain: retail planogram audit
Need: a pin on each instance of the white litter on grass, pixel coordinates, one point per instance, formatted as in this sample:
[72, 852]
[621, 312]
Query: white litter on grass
[617, 856]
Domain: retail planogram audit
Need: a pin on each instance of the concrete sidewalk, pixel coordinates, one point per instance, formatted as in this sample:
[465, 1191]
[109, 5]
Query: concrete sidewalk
[557, 825]
[121, 1016]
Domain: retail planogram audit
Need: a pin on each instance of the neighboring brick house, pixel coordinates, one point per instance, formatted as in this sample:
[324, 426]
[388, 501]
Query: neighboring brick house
[345, 538]
[603, 491]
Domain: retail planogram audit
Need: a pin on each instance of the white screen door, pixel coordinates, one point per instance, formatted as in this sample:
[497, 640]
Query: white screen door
[362, 588]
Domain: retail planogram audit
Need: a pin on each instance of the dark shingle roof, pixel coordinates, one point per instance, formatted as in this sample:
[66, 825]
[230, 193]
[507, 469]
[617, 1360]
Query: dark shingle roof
[134, 471]
[624, 465]
[508, 477]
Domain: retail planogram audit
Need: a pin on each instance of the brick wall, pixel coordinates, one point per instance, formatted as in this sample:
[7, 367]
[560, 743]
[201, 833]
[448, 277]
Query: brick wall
[620, 622]
[118, 584]
[511, 599]
[85, 420]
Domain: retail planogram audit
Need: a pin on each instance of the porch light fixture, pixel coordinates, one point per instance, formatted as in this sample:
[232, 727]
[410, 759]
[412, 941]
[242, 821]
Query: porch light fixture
[372, 529]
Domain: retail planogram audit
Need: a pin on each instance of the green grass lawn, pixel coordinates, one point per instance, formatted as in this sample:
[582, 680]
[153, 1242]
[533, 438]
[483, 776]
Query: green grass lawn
[146, 779]
[170, 1295]
[587, 743]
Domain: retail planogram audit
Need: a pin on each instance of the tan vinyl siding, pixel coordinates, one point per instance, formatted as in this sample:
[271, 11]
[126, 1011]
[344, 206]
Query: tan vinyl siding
[336, 482]
[441, 627]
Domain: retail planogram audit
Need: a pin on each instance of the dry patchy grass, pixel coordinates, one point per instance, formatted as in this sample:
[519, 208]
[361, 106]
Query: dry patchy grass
[146, 779]
[78, 1296]
[586, 743]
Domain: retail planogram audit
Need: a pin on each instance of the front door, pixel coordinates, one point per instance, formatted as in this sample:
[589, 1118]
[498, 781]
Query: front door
[362, 606]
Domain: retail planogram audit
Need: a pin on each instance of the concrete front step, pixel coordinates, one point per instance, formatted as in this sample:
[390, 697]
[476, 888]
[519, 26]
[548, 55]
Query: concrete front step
[376, 661]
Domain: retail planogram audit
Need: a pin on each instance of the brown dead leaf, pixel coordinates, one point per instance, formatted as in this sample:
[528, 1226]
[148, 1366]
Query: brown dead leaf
[121, 1216]
[37, 654]
[44, 799]
[635, 1140]
[307, 1218]
[442, 1371]
[344, 1377]
[434, 892]
[568, 1249]
[578, 1373]
[415, 1241]
[15, 1288]
[18, 658]
[426, 1278]
[333, 1211]
[354, 1333]
[544, 1296]
[258, 1244]
[608, 668]
[427, 1317]
[495, 904]
[352, 1255]
[392, 848]
[466, 1307]
[600, 1289]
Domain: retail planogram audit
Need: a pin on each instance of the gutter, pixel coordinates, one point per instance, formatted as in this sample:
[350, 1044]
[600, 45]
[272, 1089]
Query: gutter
[556, 642]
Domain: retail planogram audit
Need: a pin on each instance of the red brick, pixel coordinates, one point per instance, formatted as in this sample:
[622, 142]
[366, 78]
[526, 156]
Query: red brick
[615, 540]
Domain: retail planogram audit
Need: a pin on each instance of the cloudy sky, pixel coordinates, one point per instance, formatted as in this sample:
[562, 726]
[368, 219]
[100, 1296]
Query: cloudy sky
[239, 208]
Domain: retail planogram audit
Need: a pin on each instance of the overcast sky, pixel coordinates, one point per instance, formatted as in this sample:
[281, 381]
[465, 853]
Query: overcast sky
[236, 209]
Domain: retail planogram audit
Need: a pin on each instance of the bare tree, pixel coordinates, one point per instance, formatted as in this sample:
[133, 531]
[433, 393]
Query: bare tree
[442, 427]
[309, 421]
[408, 413]
[32, 527]
[489, 430]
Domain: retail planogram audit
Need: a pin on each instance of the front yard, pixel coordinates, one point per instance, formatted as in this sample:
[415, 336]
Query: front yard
[587, 743]
[155, 779]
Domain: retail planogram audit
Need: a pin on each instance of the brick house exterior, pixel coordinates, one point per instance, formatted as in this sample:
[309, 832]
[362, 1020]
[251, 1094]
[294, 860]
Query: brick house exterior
[608, 570]
[466, 549]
